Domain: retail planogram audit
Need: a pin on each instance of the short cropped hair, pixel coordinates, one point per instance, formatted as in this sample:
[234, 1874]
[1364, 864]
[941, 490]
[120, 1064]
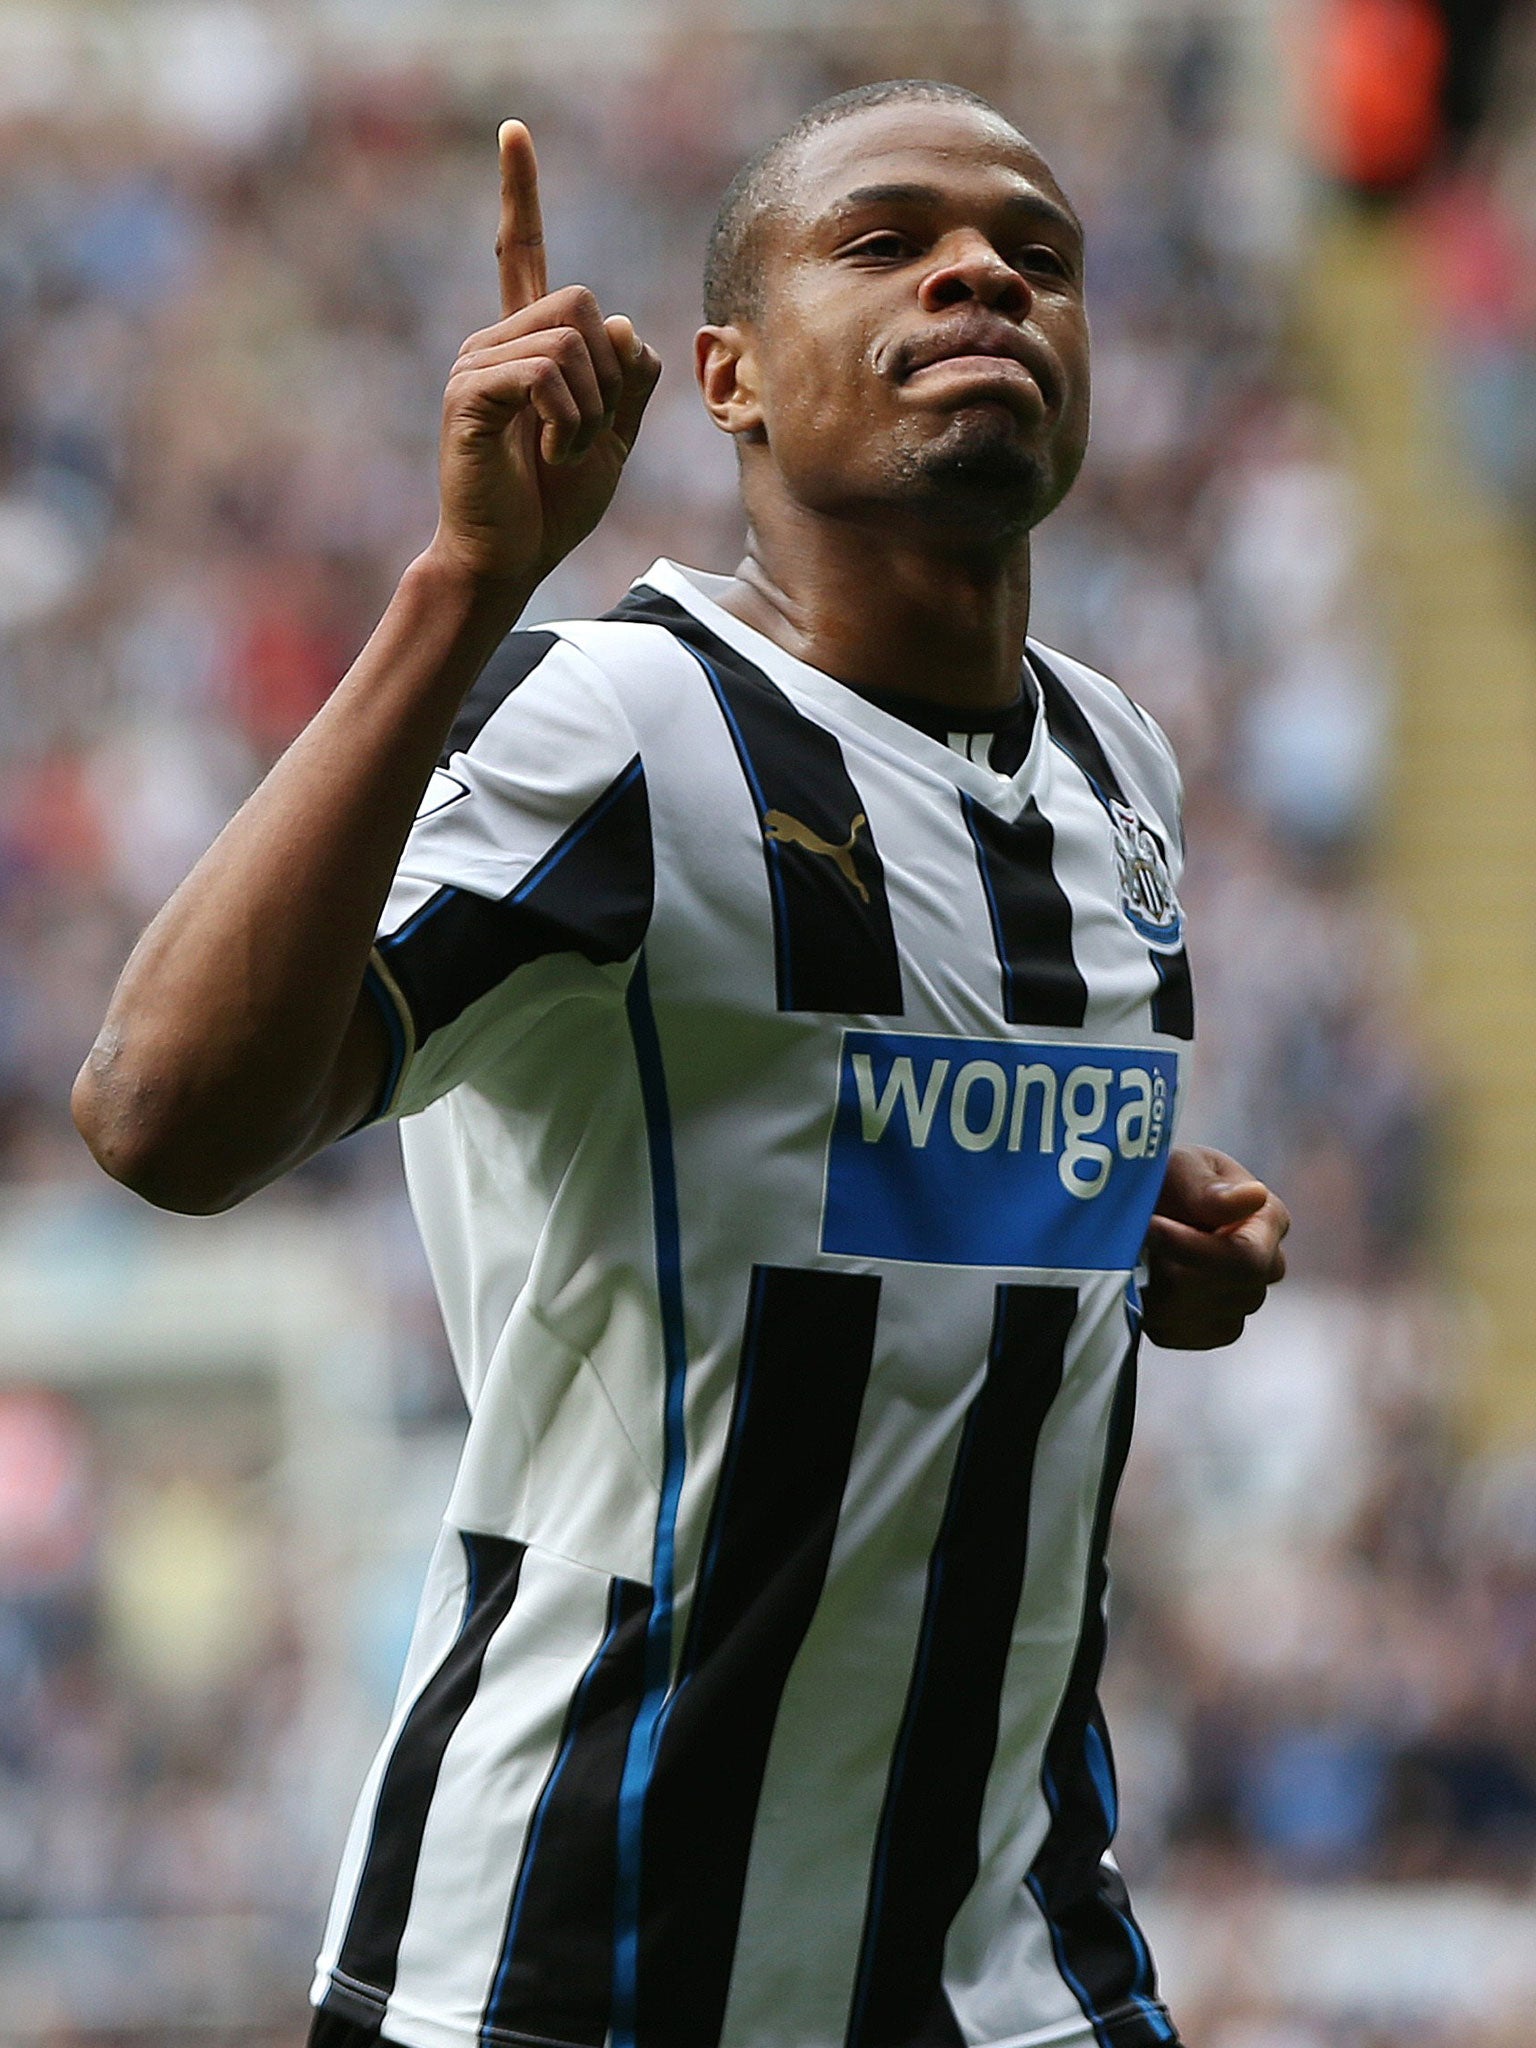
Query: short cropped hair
[732, 273]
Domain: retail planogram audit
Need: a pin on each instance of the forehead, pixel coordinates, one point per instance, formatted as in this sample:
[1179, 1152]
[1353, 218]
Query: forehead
[938, 143]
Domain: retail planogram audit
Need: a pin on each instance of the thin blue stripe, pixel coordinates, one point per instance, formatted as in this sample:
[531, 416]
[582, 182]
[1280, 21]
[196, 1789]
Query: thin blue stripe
[1102, 1776]
[641, 1755]
[1150, 2012]
[444, 896]
[535, 1832]
[770, 846]
[1148, 2008]
[578, 832]
[1079, 1991]
[1103, 1784]
[998, 937]
[749, 1352]
[537, 874]
[1096, 1754]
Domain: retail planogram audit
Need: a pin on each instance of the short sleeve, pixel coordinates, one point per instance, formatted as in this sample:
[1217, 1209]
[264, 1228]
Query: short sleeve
[532, 843]
[1168, 786]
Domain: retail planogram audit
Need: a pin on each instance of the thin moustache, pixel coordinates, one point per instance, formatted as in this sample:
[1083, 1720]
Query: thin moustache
[991, 339]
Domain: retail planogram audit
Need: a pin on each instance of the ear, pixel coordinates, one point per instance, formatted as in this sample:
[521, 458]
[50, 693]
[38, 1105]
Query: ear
[725, 363]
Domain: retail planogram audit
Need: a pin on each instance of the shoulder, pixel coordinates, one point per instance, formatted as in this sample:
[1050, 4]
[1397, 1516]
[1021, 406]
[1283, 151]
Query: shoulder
[1136, 744]
[570, 672]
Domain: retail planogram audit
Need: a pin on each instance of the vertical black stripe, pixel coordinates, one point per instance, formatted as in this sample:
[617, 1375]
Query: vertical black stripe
[1012, 739]
[834, 945]
[927, 1852]
[1173, 1006]
[1030, 916]
[371, 1948]
[555, 1977]
[806, 1356]
[1099, 1949]
[513, 662]
[1173, 1003]
[328, 2030]
[1070, 729]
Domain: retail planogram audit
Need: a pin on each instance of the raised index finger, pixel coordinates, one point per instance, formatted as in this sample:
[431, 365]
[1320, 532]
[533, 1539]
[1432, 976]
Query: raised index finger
[520, 236]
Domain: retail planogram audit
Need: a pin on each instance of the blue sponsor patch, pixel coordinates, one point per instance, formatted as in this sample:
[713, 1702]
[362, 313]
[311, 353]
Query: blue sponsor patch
[987, 1152]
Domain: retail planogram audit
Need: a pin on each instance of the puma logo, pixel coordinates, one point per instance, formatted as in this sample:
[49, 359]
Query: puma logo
[788, 831]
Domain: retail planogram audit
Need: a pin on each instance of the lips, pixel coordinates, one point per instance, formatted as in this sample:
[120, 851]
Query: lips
[994, 339]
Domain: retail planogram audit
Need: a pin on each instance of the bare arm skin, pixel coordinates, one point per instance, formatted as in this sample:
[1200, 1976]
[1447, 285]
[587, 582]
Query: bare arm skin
[238, 1041]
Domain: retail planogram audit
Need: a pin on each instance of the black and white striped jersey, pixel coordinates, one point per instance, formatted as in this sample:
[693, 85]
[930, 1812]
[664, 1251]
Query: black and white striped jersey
[786, 1093]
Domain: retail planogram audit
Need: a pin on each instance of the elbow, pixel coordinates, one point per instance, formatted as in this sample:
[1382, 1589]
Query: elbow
[142, 1147]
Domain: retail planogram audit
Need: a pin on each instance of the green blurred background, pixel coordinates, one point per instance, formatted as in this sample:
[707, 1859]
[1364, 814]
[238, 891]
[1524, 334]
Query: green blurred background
[239, 246]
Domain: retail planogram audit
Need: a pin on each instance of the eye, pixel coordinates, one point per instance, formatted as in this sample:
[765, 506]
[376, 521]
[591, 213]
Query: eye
[1040, 256]
[885, 246]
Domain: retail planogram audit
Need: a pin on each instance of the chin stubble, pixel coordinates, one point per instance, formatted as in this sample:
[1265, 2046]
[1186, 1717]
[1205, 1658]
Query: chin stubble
[980, 463]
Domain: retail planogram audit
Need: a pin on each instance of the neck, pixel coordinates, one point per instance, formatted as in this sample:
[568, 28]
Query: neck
[885, 612]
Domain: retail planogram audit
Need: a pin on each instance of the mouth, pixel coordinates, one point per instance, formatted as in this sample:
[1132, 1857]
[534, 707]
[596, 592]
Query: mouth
[1000, 377]
[998, 355]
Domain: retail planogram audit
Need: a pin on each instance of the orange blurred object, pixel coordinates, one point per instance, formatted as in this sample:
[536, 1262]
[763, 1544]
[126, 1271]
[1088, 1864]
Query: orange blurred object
[1380, 70]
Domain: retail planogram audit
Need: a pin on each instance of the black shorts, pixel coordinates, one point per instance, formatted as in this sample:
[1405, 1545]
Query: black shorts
[329, 2031]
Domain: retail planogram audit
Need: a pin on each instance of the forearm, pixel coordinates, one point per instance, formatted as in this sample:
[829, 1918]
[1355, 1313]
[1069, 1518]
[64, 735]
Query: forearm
[220, 1063]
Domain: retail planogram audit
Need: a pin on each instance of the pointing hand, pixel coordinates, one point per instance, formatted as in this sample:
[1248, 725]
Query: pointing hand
[541, 409]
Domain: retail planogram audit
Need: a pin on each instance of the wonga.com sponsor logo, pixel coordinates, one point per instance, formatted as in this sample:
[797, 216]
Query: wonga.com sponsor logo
[963, 1152]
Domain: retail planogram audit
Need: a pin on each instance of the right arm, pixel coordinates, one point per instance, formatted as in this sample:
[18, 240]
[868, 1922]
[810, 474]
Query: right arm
[239, 1040]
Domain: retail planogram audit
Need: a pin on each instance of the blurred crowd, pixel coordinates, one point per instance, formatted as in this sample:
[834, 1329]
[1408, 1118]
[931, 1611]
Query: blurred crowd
[1431, 105]
[223, 337]
[1475, 226]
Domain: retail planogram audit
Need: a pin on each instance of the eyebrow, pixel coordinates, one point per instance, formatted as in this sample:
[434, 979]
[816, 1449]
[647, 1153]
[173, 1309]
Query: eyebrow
[1035, 204]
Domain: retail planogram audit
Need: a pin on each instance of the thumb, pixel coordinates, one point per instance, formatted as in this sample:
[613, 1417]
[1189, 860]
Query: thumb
[641, 367]
[1209, 1190]
[1228, 1203]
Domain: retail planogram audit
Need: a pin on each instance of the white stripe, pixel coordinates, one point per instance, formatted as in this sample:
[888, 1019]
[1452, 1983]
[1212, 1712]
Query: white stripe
[808, 1878]
[1110, 955]
[498, 1759]
[438, 1621]
[999, 1961]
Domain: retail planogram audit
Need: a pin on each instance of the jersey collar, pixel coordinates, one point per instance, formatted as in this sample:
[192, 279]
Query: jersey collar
[698, 592]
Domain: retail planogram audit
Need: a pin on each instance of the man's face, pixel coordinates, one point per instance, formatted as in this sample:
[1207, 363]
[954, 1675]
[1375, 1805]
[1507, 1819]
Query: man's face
[921, 342]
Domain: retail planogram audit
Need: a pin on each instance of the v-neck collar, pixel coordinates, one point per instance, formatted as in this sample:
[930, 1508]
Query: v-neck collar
[692, 588]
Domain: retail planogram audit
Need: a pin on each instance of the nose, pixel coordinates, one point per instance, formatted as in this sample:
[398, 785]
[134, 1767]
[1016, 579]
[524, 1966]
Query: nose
[970, 268]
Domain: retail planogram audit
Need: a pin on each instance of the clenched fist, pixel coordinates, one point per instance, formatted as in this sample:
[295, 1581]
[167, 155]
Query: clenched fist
[1213, 1251]
[541, 410]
